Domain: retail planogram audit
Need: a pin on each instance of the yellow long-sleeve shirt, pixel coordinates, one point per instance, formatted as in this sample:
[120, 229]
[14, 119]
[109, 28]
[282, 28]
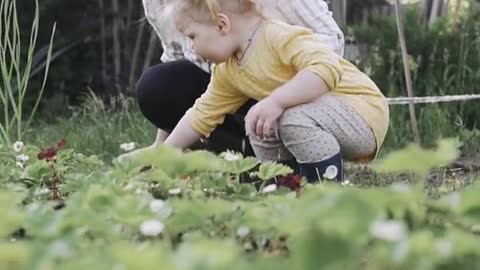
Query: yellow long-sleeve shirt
[280, 52]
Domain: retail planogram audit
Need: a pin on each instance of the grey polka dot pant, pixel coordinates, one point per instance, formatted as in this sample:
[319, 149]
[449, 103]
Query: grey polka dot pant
[316, 131]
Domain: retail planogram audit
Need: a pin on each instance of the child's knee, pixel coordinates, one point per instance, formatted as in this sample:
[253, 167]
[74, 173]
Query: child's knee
[291, 116]
[293, 123]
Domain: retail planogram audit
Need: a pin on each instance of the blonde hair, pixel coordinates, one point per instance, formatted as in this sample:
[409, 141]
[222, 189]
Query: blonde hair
[206, 11]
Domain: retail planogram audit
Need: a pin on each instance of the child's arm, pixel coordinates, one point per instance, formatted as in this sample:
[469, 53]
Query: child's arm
[208, 112]
[183, 135]
[304, 87]
[318, 71]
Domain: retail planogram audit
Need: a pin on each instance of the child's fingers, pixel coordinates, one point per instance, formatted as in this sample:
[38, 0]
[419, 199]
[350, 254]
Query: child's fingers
[259, 128]
[250, 126]
[267, 128]
[251, 120]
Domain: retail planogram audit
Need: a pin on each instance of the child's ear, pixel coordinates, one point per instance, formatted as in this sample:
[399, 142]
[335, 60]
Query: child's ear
[223, 24]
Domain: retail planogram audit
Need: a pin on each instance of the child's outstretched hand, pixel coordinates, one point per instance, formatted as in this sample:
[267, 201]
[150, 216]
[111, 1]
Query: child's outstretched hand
[133, 154]
[262, 118]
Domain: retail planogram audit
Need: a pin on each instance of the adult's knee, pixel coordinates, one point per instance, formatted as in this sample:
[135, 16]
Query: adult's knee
[166, 91]
[152, 83]
[154, 99]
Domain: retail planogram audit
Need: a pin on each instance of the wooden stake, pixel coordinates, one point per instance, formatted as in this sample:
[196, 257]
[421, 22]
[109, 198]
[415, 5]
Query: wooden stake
[103, 41]
[117, 61]
[406, 67]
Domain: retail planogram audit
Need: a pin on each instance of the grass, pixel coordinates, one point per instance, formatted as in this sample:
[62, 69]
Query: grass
[98, 128]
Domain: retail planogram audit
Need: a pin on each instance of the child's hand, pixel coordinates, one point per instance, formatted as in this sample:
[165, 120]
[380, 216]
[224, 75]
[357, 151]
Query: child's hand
[133, 154]
[261, 119]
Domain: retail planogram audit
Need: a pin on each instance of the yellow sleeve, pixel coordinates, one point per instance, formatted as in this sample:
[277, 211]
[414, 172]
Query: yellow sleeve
[220, 99]
[303, 50]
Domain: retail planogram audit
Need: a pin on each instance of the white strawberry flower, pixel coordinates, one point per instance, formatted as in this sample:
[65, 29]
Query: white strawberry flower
[19, 164]
[230, 156]
[18, 146]
[392, 231]
[331, 172]
[157, 205]
[174, 191]
[444, 247]
[345, 183]
[127, 146]
[269, 188]
[243, 231]
[22, 158]
[151, 227]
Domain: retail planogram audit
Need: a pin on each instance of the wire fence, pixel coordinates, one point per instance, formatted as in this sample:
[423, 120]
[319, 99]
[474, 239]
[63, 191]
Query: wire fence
[431, 99]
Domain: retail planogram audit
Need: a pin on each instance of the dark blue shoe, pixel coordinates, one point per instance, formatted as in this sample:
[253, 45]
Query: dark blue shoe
[327, 170]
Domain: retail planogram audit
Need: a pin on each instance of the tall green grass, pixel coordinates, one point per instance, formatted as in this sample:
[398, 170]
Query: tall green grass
[16, 68]
[97, 127]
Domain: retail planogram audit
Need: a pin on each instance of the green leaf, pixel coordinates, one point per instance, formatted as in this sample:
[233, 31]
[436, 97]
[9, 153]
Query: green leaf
[270, 170]
[219, 255]
[189, 214]
[239, 166]
[37, 170]
[201, 161]
[162, 157]
[152, 256]
[420, 161]
[317, 249]
[13, 256]
[11, 214]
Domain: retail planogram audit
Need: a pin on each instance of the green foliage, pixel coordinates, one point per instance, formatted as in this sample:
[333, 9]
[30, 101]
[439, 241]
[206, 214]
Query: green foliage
[97, 127]
[13, 216]
[270, 170]
[110, 216]
[414, 159]
[444, 60]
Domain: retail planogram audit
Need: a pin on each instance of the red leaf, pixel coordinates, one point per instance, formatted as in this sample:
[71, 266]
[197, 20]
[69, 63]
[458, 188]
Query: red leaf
[291, 181]
[61, 143]
[48, 153]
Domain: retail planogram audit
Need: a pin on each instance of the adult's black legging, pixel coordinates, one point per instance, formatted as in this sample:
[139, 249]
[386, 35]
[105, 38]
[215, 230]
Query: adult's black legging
[166, 91]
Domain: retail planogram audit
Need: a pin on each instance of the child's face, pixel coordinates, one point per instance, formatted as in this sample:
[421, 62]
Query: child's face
[210, 41]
